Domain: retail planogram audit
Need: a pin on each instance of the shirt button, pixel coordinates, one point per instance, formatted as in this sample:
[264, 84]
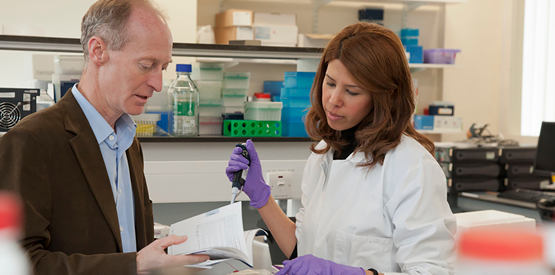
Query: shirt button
[119, 190]
[121, 228]
[111, 137]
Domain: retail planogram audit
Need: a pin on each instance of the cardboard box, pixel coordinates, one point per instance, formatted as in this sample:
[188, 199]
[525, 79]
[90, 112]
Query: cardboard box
[234, 18]
[438, 123]
[311, 40]
[223, 35]
[261, 18]
[276, 35]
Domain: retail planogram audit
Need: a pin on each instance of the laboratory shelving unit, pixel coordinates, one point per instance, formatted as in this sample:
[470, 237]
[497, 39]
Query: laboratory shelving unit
[224, 53]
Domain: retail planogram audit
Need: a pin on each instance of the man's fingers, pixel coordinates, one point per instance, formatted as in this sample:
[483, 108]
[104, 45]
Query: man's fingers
[171, 240]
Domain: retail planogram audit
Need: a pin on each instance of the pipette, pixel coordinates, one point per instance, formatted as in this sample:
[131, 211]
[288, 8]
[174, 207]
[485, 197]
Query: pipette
[240, 176]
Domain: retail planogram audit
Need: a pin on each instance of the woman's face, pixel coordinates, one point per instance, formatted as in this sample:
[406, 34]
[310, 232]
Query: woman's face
[345, 102]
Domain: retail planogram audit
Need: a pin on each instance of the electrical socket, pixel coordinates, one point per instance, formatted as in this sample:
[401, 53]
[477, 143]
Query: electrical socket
[281, 184]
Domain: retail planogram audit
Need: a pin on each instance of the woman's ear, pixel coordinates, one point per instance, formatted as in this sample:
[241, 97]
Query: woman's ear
[97, 50]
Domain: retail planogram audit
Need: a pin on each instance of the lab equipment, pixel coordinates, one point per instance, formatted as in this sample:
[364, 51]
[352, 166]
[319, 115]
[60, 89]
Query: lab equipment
[252, 128]
[526, 195]
[255, 187]
[545, 157]
[15, 104]
[488, 251]
[185, 102]
[240, 176]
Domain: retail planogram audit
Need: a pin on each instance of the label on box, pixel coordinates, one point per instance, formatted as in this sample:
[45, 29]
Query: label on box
[244, 33]
[241, 18]
[262, 33]
[445, 111]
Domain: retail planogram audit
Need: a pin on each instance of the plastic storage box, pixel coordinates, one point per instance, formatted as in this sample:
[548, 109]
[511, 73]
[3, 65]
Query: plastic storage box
[273, 87]
[251, 128]
[210, 107]
[208, 71]
[236, 80]
[210, 126]
[234, 100]
[298, 79]
[440, 56]
[227, 91]
[146, 124]
[165, 122]
[293, 114]
[289, 92]
[263, 111]
[294, 129]
[415, 53]
[234, 110]
[441, 108]
[209, 89]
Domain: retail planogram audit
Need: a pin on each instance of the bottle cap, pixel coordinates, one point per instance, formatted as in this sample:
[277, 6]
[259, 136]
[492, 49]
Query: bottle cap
[501, 245]
[186, 68]
[10, 211]
[262, 95]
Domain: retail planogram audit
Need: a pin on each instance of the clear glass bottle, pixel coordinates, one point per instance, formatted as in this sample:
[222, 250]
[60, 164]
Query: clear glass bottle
[185, 102]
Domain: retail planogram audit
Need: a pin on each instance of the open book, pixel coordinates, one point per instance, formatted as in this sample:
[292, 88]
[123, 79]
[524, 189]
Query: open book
[218, 234]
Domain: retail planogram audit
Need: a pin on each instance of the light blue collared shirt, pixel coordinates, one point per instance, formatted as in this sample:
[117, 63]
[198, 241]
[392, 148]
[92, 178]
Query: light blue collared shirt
[113, 145]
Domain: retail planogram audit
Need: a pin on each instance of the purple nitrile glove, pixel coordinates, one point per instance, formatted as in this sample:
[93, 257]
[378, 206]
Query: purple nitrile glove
[310, 264]
[255, 186]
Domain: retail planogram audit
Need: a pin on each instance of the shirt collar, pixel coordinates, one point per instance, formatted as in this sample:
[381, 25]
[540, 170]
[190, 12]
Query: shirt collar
[125, 126]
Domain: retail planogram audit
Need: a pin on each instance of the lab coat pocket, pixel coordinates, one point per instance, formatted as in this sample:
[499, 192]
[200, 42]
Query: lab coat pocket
[363, 251]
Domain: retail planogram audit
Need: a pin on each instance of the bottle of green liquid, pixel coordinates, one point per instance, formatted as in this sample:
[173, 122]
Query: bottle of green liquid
[185, 102]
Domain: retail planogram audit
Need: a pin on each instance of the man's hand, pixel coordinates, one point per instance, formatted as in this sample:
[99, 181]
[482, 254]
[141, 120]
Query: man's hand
[153, 255]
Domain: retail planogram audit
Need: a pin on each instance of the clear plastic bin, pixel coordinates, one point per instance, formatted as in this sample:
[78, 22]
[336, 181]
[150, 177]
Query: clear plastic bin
[236, 80]
[227, 91]
[234, 100]
[208, 71]
[263, 111]
[298, 79]
[440, 56]
[146, 124]
[210, 107]
[209, 89]
[210, 125]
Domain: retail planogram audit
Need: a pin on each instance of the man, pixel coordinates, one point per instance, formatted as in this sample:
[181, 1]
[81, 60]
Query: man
[77, 165]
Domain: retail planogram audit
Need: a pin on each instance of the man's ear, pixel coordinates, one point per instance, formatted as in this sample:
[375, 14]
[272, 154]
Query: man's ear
[97, 51]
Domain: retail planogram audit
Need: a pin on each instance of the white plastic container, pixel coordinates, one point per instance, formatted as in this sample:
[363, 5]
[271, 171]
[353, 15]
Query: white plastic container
[209, 89]
[210, 107]
[231, 110]
[208, 71]
[493, 219]
[263, 111]
[236, 80]
[500, 252]
[227, 91]
[146, 124]
[234, 100]
[210, 126]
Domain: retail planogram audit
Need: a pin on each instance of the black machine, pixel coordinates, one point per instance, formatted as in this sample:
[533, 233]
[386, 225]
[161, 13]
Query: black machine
[15, 104]
[545, 162]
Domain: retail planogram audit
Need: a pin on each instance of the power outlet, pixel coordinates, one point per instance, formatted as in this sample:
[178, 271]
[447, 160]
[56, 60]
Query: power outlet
[281, 182]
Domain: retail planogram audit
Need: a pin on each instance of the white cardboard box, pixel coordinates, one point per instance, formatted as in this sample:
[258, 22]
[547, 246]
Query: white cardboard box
[275, 19]
[276, 35]
[311, 40]
[448, 123]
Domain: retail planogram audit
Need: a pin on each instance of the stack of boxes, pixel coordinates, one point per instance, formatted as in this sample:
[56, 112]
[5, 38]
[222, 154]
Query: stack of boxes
[439, 117]
[233, 24]
[276, 29]
[208, 78]
[296, 101]
[518, 165]
[235, 91]
[409, 38]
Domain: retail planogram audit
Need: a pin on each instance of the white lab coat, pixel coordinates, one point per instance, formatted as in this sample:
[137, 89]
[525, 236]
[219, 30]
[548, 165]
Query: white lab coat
[394, 218]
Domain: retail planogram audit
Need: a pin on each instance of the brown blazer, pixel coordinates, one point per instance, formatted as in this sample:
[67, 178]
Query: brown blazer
[71, 226]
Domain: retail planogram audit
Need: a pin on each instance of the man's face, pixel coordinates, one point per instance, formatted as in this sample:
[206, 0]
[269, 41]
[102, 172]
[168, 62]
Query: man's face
[131, 75]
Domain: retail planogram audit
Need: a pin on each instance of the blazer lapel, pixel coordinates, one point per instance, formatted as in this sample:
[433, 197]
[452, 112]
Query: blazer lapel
[88, 155]
[138, 196]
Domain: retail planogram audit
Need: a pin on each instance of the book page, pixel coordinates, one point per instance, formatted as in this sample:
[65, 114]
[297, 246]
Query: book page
[222, 227]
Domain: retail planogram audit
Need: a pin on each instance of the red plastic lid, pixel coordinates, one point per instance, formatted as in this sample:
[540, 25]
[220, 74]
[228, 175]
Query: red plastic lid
[261, 95]
[501, 245]
[10, 211]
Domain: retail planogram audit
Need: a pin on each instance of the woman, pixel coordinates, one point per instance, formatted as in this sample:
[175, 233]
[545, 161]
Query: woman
[373, 196]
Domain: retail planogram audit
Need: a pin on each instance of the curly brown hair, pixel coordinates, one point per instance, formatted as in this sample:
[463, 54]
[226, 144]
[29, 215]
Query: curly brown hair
[376, 59]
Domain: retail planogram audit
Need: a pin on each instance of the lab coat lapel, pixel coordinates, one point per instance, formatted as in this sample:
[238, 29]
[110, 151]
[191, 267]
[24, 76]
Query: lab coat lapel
[88, 155]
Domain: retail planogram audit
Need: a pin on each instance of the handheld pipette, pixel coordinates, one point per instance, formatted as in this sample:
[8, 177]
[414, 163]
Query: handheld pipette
[240, 176]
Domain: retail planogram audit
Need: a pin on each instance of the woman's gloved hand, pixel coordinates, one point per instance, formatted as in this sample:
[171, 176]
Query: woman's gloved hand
[309, 264]
[255, 186]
